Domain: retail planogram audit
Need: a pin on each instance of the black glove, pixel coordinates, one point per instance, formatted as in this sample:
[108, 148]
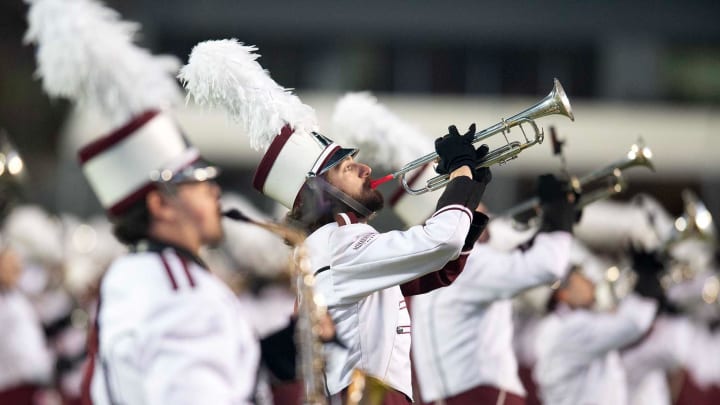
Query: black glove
[482, 175]
[455, 150]
[646, 263]
[647, 267]
[558, 213]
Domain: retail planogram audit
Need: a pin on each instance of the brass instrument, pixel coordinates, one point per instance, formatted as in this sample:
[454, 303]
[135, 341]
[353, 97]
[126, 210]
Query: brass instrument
[365, 389]
[696, 223]
[639, 155]
[554, 103]
[311, 308]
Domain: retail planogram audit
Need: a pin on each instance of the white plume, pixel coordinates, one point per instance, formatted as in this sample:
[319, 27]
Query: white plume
[383, 138]
[225, 73]
[35, 235]
[85, 53]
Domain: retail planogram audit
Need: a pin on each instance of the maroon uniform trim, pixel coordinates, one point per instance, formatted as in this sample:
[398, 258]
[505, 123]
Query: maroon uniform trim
[267, 162]
[169, 272]
[454, 208]
[106, 142]
[187, 271]
[346, 218]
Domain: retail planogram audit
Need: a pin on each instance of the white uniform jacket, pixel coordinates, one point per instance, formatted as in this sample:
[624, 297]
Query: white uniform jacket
[578, 360]
[358, 271]
[664, 350]
[24, 357]
[462, 334]
[170, 332]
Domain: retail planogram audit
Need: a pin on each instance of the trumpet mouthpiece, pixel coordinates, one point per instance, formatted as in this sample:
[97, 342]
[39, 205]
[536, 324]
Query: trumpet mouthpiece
[377, 182]
[236, 215]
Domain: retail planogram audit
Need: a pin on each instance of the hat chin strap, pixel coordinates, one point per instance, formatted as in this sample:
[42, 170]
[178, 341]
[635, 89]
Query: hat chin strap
[318, 183]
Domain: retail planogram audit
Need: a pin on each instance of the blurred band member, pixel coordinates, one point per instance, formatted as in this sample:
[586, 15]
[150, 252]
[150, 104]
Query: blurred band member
[462, 334]
[167, 329]
[577, 349]
[25, 363]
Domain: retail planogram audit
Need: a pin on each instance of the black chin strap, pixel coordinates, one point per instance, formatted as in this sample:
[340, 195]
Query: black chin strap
[318, 183]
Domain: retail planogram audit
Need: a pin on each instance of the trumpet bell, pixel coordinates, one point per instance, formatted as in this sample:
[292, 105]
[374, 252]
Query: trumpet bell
[696, 221]
[556, 102]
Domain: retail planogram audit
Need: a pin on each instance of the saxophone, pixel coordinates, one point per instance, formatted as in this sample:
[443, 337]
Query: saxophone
[311, 310]
[365, 389]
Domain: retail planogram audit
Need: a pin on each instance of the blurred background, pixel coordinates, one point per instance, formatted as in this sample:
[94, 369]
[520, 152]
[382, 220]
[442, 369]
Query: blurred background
[630, 68]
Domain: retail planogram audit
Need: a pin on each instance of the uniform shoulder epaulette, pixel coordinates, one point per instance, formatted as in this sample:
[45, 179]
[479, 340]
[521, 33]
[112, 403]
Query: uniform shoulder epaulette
[346, 218]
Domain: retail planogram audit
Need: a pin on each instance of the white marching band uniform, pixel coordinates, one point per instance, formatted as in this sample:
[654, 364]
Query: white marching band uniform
[578, 360]
[24, 358]
[170, 332]
[665, 350]
[462, 334]
[361, 286]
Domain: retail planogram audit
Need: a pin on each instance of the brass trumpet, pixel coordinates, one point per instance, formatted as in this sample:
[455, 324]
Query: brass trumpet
[639, 155]
[696, 221]
[554, 103]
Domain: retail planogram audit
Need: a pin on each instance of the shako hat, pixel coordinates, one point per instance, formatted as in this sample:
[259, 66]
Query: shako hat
[226, 74]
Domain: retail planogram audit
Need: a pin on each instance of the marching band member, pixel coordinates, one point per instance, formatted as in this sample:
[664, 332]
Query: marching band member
[167, 330]
[577, 349]
[363, 275]
[462, 334]
[480, 363]
[26, 365]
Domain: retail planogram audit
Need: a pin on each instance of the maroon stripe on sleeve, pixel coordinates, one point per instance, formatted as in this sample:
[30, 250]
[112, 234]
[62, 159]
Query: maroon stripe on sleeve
[187, 271]
[169, 271]
[454, 208]
[267, 162]
[93, 149]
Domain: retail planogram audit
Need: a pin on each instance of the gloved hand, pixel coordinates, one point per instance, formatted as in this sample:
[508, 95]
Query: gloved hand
[645, 262]
[647, 266]
[558, 213]
[482, 175]
[455, 150]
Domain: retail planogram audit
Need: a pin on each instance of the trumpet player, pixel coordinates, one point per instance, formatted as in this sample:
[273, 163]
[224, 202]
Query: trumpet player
[363, 275]
[462, 334]
[366, 275]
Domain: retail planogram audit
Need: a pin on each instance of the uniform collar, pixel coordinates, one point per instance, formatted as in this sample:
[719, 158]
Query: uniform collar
[157, 246]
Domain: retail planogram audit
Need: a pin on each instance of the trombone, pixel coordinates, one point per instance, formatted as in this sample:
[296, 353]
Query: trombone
[639, 155]
[554, 103]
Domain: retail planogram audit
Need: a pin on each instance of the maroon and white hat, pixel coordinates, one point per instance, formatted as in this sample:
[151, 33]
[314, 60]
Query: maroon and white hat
[291, 158]
[226, 74]
[123, 166]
